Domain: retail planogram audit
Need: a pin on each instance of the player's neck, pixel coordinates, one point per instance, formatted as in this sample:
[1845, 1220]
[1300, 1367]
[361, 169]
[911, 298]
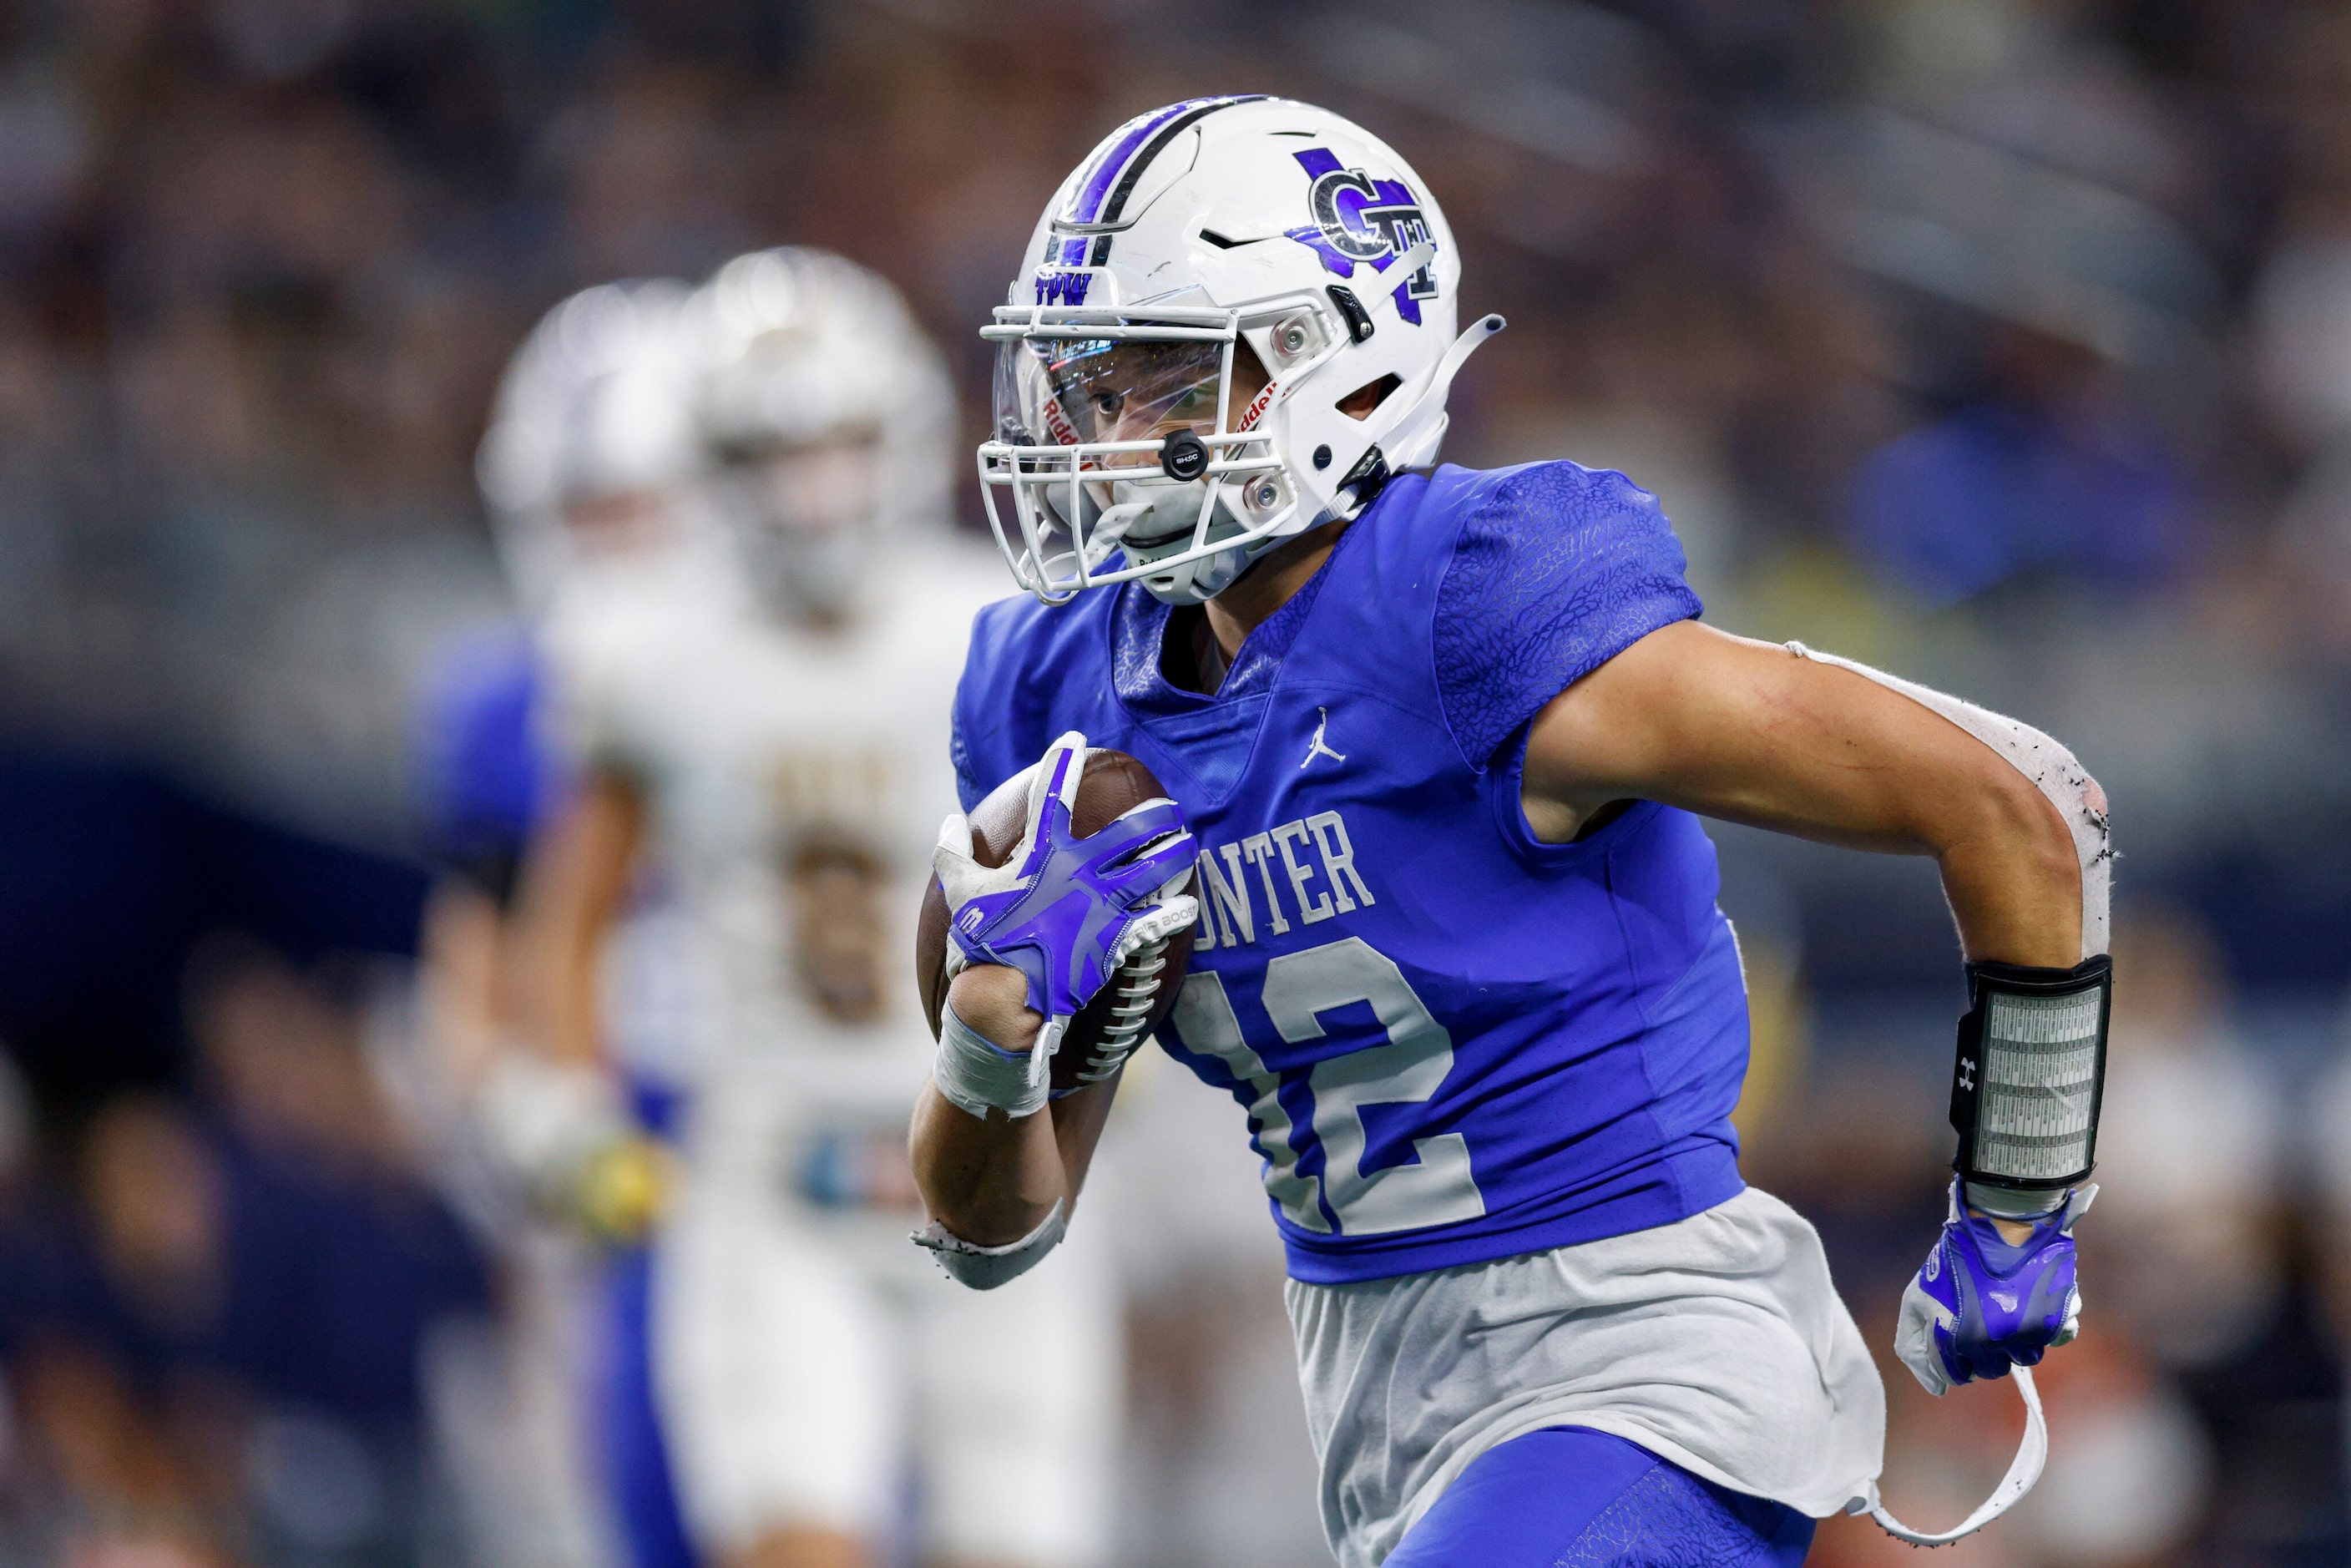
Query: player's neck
[1265, 587]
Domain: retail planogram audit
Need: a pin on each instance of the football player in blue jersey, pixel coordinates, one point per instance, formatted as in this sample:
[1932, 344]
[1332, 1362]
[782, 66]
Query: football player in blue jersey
[1438, 741]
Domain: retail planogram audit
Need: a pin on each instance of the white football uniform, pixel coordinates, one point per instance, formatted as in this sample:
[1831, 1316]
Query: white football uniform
[804, 1351]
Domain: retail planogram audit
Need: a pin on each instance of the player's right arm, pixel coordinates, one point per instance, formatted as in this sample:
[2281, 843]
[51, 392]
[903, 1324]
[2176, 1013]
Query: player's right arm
[999, 1162]
[575, 886]
[550, 1103]
[996, 1180]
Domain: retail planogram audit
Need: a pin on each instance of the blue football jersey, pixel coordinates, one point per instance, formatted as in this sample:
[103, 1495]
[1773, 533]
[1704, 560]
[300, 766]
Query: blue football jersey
[1453, 1042]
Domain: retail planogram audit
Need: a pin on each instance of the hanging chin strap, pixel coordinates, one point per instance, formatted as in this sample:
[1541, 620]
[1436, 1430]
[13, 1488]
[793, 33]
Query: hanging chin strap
[1373, 470]
[2032, 1455]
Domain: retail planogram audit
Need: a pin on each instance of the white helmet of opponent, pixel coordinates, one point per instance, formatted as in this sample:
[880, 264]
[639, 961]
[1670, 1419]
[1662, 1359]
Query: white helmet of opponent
[825, 417]
[591, 447]
[1235, 320]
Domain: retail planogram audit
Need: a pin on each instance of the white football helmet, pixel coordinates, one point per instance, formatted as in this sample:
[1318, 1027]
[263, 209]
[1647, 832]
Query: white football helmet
[590, 445]
[826, 418]
[1233, 322]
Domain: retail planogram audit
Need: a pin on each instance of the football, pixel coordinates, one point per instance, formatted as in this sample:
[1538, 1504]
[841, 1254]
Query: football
[1138, 996]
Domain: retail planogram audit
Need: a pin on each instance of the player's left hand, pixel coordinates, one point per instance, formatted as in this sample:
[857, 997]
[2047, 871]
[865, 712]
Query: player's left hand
[1982, 1304]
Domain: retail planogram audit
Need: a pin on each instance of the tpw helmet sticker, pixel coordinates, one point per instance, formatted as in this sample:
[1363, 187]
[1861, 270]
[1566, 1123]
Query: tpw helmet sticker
[1358, 218]
[1063, 287]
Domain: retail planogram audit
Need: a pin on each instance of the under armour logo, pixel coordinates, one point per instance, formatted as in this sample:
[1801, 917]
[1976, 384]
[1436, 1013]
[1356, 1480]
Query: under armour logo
[1316, 747]
[1967, 1072]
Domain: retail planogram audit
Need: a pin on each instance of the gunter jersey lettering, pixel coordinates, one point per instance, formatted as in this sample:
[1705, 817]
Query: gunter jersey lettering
[1450, 1042]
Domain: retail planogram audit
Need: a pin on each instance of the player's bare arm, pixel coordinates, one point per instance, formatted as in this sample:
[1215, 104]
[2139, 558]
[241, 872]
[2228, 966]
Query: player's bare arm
[994, 1181]
[1778, 738]
[549, 1102]
[573, 893]
[1000, 1157]
[1752, 733]
[1756, 733]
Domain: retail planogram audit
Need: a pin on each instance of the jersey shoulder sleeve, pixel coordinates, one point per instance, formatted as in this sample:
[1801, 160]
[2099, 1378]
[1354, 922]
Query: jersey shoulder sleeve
[1025, 658]
[481, 771]
[1556, 569]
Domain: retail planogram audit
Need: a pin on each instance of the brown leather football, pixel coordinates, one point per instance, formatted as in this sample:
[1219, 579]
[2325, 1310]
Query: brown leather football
[1112, 784]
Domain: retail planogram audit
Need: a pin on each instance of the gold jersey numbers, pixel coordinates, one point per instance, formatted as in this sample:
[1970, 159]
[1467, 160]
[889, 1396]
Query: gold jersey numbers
[837, 882]
[834, 811]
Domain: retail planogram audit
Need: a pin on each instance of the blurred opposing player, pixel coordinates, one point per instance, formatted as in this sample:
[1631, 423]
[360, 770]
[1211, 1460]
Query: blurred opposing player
[586, 471]
[769, 742]
[1438, 737]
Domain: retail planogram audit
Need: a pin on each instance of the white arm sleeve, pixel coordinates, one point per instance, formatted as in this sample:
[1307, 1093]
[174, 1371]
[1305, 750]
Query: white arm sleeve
[2049, 766]
[985, 1267]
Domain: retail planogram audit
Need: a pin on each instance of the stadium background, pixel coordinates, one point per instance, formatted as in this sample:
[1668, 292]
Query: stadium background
[2004, 344]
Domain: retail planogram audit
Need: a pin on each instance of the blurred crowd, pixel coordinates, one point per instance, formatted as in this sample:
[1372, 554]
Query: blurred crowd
[2002, 343]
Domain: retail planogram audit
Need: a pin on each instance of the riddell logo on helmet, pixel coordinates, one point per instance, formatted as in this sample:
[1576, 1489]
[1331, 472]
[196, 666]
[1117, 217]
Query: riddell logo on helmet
[1258, 405]
[1359, 218]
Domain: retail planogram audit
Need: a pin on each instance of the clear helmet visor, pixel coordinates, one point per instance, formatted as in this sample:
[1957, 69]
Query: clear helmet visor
[1067, 392]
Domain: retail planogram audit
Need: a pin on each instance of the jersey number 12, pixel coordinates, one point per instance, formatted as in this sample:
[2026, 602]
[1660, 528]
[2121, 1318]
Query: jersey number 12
[1438, 1188]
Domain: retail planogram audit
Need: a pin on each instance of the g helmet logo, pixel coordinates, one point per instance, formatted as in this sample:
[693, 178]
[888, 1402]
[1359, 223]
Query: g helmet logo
[1360, 219]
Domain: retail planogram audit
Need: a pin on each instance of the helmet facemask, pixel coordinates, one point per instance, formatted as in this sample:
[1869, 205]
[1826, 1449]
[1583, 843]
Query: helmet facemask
[806, 517]
[1138, 434]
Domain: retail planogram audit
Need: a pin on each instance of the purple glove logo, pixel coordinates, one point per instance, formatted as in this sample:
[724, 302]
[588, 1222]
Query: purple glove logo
[1981, 1304]
[1067, 911]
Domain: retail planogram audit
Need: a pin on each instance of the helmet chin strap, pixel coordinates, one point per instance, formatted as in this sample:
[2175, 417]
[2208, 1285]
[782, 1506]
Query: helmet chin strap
[2023, 1471]
[1473, 337]
[1109, 529]
[1377, 468]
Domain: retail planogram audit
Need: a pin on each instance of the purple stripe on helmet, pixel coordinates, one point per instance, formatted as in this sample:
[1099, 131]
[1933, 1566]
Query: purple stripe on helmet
[1115, 207]
[1107, 185]
[1098, 184]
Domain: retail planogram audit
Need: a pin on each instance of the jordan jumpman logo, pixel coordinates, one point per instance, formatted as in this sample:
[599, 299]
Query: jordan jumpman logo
[1315, 747]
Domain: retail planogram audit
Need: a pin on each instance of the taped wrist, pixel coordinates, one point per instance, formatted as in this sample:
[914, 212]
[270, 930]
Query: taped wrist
[976, 1074]
[2029, 1074]
[985, 1267]
[2014, 1203]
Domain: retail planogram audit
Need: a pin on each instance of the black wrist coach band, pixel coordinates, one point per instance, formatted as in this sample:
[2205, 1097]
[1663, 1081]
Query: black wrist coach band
[2029, 1073]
